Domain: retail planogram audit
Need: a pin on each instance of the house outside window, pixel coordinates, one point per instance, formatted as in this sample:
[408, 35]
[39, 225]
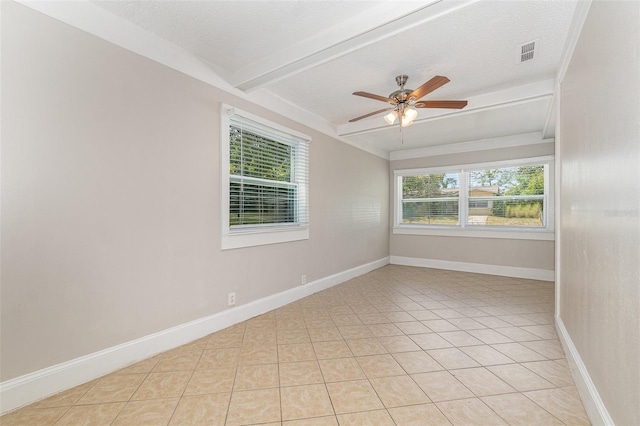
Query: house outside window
[265, 190]
[506, 199]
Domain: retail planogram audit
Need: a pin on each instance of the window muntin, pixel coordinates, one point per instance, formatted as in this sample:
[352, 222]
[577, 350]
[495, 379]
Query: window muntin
[265, 181]
[505, 199]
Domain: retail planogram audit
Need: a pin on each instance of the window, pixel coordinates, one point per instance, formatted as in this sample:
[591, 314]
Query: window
[265, 194]
[511, 199]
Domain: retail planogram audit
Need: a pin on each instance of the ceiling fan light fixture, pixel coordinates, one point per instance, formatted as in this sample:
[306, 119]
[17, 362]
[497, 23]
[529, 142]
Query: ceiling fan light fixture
[391, 117]
[409, 115]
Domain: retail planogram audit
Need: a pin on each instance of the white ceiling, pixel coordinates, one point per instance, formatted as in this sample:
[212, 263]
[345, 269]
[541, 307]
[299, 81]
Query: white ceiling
[310, 55]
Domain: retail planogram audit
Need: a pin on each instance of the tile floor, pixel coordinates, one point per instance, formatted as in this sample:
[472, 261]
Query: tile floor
[397, 346]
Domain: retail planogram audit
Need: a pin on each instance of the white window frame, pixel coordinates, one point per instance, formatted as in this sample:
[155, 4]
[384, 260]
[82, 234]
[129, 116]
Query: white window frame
[464, 230]
[233, 238]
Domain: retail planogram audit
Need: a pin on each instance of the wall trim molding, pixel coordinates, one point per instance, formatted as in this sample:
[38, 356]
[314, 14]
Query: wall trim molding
[40, 384]
[523, 139]
[480, 268]
[595, 408]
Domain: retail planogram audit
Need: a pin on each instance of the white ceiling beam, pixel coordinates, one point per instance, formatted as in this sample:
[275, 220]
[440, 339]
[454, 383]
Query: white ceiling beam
[378, 23]
[512, 96]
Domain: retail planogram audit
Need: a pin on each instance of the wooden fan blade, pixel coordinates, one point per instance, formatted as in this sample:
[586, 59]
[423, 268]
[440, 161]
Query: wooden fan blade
[442, 104]
[429, 86]
[372, 96]
[369, 115]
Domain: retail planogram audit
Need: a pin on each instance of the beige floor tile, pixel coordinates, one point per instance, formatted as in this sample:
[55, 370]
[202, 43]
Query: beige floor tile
[492, 322]
[149, 412]
[373, 318]
[561, 404]
[332, 349]
[441, 386]
[549, 348]
[260, 376]
[316, 421]
[395, 344]
[520, 378]
[397, 317]
[382, 330]
[447, 313]
[211, 381]
[254, 406]
[178, 360]
[113, 388]
[517, 409]
[551, 371]
[517, 334]
[201, 409]
[296, 352]
[259, 354]
[429, 341]
[368, 418]
[353, 396]
[66, 398]
[292, 336]
[225, 340]
[398, 391]
[299, 402]
[259, 337]
[489, 337]
[291, 323]
[300, 373]
[419, 415]
[481, 381]
[363, 347]
[453, 358]
[349, 319]
[341, 369]
[417, 362]
[486, 355]
[423, 315]
[144, 366]
[413, 321]
[196, 345]
[33, 416]
[99, 414]
[440, 325]
[380, 366]
[319, 322]
[163, 385]
[324, 334]
[215, 358]
[355, 332]
[518, 352]
[546, 332]
[459, 338]
[469, 412]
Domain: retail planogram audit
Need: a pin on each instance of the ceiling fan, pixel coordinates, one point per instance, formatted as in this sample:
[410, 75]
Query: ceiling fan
[405, 101]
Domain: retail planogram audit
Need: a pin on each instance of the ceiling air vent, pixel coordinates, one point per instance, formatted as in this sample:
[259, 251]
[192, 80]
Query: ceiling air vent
[527, 51]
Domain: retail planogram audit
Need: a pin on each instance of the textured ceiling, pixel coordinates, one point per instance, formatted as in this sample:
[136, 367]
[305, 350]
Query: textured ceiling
[311, 55]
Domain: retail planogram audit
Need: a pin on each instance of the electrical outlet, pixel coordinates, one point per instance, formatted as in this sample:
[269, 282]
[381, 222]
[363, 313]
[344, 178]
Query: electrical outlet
[231, 299]
[304, 279]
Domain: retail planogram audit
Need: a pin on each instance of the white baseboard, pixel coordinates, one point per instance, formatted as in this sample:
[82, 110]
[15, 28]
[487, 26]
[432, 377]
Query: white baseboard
[591, 400]
[480, 268]
[34, 386]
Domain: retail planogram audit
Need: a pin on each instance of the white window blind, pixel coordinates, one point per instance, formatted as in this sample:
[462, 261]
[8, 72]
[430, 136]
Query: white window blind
[504, 199]
[268, 177]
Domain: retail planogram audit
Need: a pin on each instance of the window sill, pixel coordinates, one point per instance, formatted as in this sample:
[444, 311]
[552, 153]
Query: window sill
[510, 233]
[262, 237]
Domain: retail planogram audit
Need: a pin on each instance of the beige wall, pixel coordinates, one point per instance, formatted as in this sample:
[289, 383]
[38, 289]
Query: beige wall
[599, 150]
[488, 251]
[110, 199]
